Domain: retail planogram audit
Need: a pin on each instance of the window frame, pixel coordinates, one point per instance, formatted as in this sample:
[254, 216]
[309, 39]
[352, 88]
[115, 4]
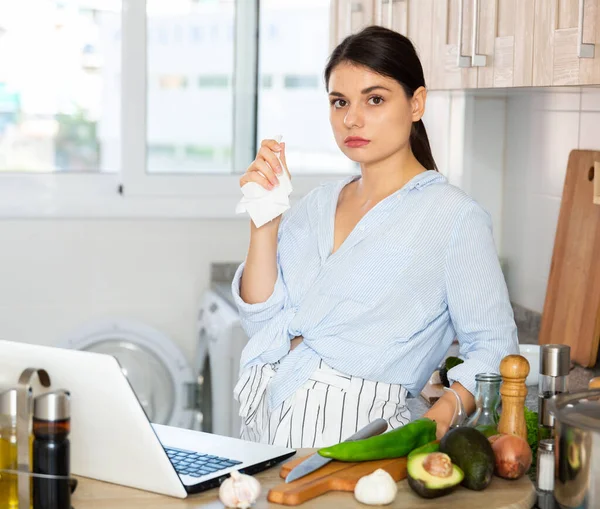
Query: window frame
[133, 192]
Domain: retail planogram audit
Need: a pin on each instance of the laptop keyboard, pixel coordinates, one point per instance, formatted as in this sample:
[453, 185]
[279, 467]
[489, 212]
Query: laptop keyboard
[195, 464]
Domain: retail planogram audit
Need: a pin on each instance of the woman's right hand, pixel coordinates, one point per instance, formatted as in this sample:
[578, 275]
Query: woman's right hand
[265, 168]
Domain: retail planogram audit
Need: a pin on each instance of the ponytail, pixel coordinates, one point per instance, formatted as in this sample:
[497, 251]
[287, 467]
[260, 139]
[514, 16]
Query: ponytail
[419, 144]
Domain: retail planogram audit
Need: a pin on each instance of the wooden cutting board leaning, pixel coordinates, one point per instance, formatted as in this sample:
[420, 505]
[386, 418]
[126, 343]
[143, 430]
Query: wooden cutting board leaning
[571, 313]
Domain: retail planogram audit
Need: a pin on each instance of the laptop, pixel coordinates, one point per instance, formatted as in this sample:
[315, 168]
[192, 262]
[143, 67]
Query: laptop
[111, 437]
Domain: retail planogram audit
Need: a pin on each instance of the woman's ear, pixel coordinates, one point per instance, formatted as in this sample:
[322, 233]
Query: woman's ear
[418, 103]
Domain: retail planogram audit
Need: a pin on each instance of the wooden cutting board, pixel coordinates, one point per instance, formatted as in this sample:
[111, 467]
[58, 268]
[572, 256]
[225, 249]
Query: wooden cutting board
[335, 476]
[571, 313]
[338, 477]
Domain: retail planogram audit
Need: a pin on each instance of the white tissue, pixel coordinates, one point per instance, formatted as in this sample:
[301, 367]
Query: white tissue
[263, 205]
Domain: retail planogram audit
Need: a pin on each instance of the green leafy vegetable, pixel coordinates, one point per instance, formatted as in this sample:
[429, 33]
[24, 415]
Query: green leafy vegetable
[531, 421]
[450, 363]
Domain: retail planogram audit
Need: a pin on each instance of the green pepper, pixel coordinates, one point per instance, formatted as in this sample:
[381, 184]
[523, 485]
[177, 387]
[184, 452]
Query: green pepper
[425, 449]
[393, 444]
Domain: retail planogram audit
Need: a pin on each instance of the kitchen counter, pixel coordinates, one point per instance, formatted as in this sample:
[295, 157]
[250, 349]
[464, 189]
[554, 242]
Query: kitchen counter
[500, 494]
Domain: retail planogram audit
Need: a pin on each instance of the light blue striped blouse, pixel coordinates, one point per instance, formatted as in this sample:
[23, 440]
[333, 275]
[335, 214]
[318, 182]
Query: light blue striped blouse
[417, 271]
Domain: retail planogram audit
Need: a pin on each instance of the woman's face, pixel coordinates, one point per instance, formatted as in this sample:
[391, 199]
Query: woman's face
[370, 114]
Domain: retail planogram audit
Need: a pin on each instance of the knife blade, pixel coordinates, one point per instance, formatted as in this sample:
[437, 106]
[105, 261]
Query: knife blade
[316, 461]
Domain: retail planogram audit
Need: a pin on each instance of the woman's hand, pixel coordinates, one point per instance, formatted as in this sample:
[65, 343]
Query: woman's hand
[265, 168]
[445, 408]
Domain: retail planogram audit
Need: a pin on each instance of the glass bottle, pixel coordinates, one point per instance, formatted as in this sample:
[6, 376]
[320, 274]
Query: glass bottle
[51, 450]
[9, 483]
[9, 492]
[487, 400]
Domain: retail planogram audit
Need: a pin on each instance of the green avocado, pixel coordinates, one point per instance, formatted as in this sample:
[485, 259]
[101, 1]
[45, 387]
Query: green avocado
[429, 485]
[470, 450]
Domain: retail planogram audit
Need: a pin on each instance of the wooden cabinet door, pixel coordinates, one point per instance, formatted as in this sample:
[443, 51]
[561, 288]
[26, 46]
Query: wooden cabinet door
[566, 42]
[420, 31]
[349, 17]
[506, 29]
[412, 18]
[451, 45]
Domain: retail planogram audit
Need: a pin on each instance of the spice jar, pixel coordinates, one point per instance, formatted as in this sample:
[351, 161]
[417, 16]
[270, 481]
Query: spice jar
[545, 474]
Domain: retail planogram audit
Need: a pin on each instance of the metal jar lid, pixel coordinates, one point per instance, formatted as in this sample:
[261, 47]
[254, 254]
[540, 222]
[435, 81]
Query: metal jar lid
[578, 409]
[52, 406]
[555, 360]
[8, 402]
[546, 445]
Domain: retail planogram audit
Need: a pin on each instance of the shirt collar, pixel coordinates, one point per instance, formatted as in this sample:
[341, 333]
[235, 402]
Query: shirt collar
[423, 179]
[419, 181]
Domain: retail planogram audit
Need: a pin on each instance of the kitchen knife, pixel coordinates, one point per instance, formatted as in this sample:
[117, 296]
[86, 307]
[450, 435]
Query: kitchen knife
[316, 461]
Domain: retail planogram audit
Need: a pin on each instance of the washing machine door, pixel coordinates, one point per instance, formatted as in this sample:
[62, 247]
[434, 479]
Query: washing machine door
[155, 367]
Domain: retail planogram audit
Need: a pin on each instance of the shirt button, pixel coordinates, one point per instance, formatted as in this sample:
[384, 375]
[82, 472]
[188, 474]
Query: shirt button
[361, 228]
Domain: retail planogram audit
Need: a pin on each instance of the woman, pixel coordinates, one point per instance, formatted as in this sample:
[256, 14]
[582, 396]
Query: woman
[353, 297]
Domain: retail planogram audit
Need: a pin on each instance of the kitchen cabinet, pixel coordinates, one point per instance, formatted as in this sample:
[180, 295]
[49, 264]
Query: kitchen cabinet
[488, 43]
[566, 42]
[348, 17]
[453, 45]
[506, 35]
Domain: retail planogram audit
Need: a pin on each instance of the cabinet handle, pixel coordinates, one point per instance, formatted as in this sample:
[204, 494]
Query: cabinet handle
[463, 60]
[390, 14]
[476, 60]
[584, 50]
[380, 13]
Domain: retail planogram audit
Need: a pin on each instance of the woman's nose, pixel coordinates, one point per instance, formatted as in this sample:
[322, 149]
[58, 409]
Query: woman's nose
[353, 118]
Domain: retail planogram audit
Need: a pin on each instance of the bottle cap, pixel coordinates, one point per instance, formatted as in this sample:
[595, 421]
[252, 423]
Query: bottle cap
[546, 445]
[555, 360]
[52, 406]
[8, 402]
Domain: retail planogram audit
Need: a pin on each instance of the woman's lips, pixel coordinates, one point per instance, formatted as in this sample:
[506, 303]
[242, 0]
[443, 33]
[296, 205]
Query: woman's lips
[354, 142]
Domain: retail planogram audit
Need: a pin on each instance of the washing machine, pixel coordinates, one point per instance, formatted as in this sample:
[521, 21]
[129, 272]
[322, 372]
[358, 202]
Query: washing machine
[169, 391]
[221, 340]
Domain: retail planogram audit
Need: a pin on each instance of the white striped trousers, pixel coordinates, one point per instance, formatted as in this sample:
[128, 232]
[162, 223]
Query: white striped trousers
[327, 409]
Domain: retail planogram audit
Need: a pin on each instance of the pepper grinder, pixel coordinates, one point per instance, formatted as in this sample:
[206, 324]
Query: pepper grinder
[514, 370]
[555, 363]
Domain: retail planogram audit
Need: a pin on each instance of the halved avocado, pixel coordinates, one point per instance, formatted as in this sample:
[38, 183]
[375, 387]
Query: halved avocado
[427, 484]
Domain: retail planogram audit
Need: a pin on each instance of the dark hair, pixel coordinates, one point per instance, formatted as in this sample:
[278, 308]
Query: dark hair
[393, 55]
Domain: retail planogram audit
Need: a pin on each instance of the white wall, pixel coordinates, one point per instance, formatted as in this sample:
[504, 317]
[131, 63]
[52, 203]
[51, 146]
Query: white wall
[56, 275]
[542, 128]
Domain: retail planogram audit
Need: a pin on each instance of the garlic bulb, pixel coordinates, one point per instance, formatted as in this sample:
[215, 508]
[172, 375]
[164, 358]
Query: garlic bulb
[239, 490]
[378, 488]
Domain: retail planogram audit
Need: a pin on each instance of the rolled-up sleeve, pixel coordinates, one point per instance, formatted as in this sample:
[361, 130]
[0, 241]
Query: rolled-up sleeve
[477, 298]
[253, 317]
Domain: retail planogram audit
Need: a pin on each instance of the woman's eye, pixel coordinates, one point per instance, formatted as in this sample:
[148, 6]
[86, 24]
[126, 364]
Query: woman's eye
[338, 103]
[376, 100]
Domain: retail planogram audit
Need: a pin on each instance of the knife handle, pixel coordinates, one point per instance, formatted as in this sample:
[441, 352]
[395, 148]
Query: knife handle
[376, 427]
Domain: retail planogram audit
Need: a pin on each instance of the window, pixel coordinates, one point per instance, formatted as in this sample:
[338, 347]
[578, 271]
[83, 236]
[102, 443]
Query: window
[181, 118]
[191, 38]
[59, 107]
[295, 104]
[299, 81]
